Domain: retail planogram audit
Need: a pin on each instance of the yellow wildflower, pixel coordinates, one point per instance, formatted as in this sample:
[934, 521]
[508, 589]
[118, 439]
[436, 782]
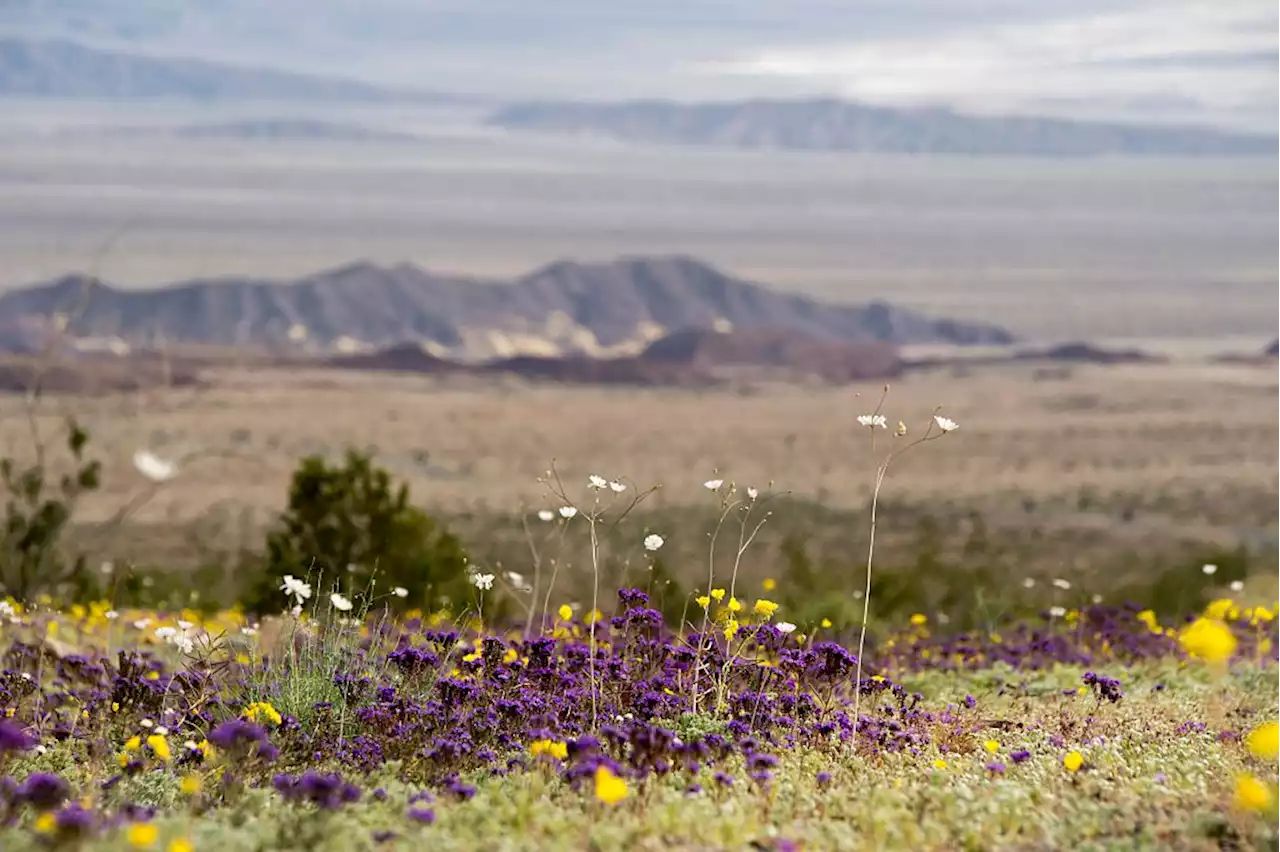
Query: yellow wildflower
[1208, 640]
[734, 605]
[717, 595]
[45, 823]
[159, 746]
[133, 743]
[769, 584]
[731, 629]
[1073, 760]
[565, 612]
[1148, 617]
[1218, 609]
[610, 789]
[141, 835]
[190, 785]
[510, 656]
[765, 608]
[1252, 794]
[558, 750]
[826, 622]
[262, 710]
[181, 844]
[992, 746]
[703, 601]
[919, 619]
[1264, 741]
[939, 763]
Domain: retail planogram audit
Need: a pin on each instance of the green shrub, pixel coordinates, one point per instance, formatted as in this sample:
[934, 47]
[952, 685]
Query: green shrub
[33, 556]
[347, 525]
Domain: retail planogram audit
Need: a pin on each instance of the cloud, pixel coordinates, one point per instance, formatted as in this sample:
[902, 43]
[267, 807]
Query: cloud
[1214, 58]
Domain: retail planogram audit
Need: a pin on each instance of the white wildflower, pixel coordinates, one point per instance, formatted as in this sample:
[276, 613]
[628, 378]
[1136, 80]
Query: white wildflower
[185, 625]
[483, 582]
[546, 515]
[340, 603]
[153, 467]
[786, 627]
[166, 633]
[752, 493]
[616, 487]
[142, 624]
[568, 512]
[1029, 583]
[713, 484]
[597, 482]
[1097, 599]
[400, 592]
[946, 424]
[1061, 584]
[147, 723]
[871, 421]
[111, 615]
[293, 587]
[107, 567]
[161, 730]
[653, 541]
[7, 610]
[1209, 570]
[1057, 611]
[1237, 585]
[248, 631]
[517, 581]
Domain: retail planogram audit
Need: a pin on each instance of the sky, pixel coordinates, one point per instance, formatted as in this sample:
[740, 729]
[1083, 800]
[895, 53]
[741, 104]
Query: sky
[1198, 61]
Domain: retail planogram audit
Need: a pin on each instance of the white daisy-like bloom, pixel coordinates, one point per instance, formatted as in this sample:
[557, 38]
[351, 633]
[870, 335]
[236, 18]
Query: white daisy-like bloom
[1061, 584]
[568, 512]
[1057, 611]
[340, 603]
[293, 587]
[713, 484]
[111, 615]
[1237, 585]
[752, 493]
[248, 631]
[517, 581]
[946, 424]
[162, 730]
[400, 592]
[546, 515]
[653, 541]
[107, 567]
[616, 487]
[184, 643]
[185, 625]
[1209, 570]
[147, 723]
[483, 582]
[1029, 583]
[142, 624]
[1097, 599]
[166, 633]
[871, 421]
[191, 745]
[7, 610]
[153, 467]
[597, 482]
[785, 627]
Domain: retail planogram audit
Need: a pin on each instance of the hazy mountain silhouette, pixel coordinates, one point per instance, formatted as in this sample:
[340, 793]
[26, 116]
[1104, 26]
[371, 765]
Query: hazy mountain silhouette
[65, 69]
[829, 124]
[598, 309]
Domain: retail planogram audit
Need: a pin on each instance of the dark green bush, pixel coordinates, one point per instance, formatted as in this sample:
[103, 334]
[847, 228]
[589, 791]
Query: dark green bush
[348, 526]
[33, 554]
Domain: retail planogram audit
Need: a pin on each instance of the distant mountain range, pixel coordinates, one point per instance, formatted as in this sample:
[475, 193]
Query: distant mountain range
[595, 309]
[835, 125]
[64, 69]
